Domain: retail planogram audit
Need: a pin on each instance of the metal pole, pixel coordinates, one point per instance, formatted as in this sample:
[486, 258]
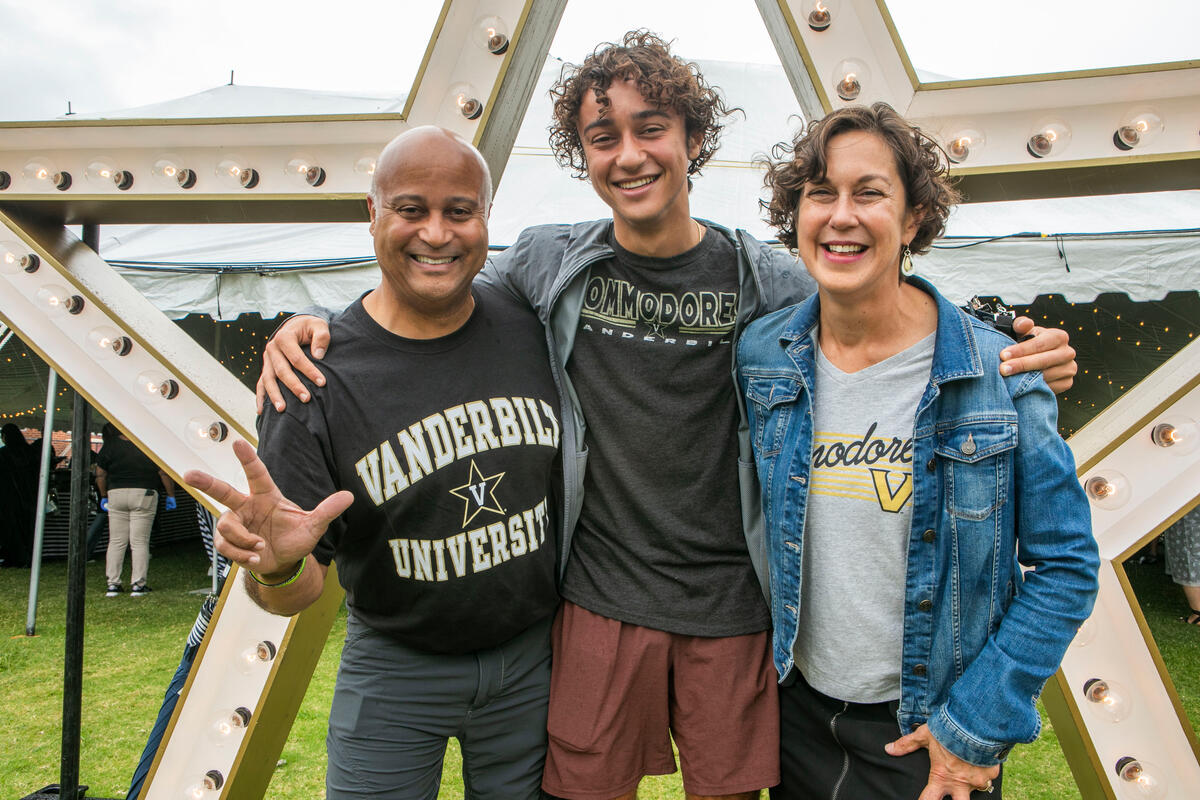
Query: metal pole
[43, 489]
[76, 558]
[76, 585]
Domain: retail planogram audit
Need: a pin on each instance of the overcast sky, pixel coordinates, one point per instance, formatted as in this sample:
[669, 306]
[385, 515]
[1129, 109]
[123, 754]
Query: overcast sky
[109, 54]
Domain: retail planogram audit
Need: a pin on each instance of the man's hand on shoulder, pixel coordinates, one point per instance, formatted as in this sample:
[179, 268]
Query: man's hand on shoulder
[283, 356]
[1049, 351]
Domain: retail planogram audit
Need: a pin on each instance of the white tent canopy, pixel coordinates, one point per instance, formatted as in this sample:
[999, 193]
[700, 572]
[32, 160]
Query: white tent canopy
[223, 280]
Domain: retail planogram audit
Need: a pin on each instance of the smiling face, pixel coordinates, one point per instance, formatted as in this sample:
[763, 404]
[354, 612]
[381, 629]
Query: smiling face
[429, 222]
[850, 227]
[637, 160]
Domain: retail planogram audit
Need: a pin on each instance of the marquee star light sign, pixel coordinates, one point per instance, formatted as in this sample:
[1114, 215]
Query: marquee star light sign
[173, 399]
[1139, 462]
[479, 69]
[1105, 131]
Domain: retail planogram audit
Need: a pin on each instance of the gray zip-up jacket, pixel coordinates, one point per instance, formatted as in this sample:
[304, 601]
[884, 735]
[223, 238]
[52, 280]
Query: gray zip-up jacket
[549, 265]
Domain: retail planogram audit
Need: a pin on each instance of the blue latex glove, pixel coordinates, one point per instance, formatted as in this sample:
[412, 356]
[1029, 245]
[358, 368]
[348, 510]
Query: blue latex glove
[104, 504]
[171, 504]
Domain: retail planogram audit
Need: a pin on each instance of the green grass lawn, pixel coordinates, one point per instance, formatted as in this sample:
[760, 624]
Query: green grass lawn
[132, 647]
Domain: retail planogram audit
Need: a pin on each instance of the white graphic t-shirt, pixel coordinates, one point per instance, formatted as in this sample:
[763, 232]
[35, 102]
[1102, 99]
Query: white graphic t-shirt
[857, 525]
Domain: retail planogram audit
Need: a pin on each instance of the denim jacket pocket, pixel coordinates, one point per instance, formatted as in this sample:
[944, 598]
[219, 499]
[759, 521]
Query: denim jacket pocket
[978, 466]
[771, 402]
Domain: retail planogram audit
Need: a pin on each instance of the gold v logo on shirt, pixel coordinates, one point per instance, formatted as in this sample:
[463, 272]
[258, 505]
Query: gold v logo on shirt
[889, 500]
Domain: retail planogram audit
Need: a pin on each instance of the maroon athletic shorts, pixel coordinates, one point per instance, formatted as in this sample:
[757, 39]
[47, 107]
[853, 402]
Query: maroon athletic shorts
[619, 692]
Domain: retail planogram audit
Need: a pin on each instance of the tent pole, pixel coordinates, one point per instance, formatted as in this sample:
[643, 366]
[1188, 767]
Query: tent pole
[43, 489]
[76, 583]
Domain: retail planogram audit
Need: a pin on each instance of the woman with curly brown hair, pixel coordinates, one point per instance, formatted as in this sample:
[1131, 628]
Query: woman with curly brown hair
[905, 483]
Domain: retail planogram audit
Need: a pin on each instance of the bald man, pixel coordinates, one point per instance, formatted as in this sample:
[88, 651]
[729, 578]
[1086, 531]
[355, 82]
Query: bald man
[430, 460]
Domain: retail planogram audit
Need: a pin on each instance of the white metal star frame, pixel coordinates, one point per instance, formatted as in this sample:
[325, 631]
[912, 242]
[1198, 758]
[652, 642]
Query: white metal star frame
[112, 346]
[1139, 462]
[253, 668]
[1128, 129]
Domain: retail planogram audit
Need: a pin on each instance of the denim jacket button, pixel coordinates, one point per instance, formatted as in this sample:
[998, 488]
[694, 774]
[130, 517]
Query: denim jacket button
[925, 605]
[931, 464]
[928, 536]
[919, 669]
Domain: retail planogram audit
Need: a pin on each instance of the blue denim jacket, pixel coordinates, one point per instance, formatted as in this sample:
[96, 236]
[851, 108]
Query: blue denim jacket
[994, 489]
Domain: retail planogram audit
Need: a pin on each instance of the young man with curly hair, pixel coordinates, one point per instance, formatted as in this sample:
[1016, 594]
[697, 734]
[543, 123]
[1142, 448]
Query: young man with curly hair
[664, 628]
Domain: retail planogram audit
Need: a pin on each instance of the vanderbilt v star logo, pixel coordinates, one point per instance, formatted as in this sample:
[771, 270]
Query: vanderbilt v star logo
[891, 500]
[478, 493]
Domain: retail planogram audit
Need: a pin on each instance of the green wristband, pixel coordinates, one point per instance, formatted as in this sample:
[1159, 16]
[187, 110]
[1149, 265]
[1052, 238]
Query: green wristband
[292, 579]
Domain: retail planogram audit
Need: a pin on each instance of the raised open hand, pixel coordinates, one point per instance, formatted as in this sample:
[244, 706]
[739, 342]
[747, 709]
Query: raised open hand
[263, 530]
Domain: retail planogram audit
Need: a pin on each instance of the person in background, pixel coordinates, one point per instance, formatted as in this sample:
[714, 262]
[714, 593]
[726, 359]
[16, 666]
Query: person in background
[18, 497]
[1182, 545]
[127, 481]
[905, 484]
[100, 521]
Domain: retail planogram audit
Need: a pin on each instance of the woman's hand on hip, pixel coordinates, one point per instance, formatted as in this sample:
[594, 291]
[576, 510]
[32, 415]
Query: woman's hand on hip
[948, 774]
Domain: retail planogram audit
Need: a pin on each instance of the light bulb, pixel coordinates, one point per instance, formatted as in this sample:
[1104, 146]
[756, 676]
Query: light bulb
[962, 143]
[229, 725]
[1178, 436]
[1107, 700]
[491, 33]
[1108, 490]
[59, 298]
[152, 386]
[849, 78]
[820, 16]
[167, 169]
[303, 169]
[206, 787]
[466, 100]
[365, 165]
[1139, 779]
[108, 342]
[255, 657]
[1049, 137]
[236, 173]
[15, 256]
[44, 171]
[1137, 128]
[203, 431]
[103, 170]
[1085, 634]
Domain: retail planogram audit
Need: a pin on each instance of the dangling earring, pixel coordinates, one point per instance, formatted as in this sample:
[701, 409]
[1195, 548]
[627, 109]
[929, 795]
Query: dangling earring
[906, 265]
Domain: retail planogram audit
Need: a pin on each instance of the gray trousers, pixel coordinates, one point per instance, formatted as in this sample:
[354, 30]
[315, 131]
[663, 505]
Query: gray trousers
[130, 519]
[394, 709]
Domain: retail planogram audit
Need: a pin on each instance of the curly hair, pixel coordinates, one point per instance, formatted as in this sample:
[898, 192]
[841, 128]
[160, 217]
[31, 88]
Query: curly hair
[920, 162]
[665, 81]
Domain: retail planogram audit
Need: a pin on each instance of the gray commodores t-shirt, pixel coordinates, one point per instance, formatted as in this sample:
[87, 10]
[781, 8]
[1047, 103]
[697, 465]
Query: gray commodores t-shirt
[857, 524]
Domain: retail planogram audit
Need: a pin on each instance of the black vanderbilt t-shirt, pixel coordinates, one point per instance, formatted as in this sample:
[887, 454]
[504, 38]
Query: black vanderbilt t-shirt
[660, 541]
[450, 448]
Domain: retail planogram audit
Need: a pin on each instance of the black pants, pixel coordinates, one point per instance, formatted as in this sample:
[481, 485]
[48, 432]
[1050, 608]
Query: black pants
[833, 750]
